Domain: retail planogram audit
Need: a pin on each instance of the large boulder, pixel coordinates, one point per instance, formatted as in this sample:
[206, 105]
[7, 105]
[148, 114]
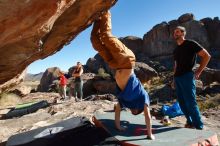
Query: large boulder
[50, 75]
[213, 89]
[93, 84]
[133, 43]
[162, 93]
[88, 88]
[35, 29]
[215, 58]
[210, 75]
[213, 29]
[158, 41]
[105, 86]
[195, 30]
[95, 63]
[144, 72]
[186, 17]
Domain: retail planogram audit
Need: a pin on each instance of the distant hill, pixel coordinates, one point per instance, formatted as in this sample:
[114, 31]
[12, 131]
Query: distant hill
[33, 77]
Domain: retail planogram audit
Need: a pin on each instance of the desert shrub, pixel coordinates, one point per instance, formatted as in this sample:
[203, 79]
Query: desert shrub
[102, 73]
[206, 105]
[211, 102]
[9, 99]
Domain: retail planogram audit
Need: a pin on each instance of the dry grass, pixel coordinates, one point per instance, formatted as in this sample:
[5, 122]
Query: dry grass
[155, 82]
[206, 105]
[210, 103]
[102, 73]
[9, 99]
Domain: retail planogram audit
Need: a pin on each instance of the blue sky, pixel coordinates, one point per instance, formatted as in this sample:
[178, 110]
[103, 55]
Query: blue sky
[129, 17]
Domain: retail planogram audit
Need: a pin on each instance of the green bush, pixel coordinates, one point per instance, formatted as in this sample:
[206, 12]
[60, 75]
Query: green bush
[102, 73]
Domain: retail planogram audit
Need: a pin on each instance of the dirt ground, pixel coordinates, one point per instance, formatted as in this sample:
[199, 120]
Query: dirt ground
[66, 109]
[211, 119]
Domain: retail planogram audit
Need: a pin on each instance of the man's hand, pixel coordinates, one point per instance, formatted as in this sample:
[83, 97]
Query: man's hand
[117, 109]
[205, 57]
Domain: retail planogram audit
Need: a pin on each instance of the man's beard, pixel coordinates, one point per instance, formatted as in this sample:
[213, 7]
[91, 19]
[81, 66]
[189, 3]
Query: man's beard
[177, 38]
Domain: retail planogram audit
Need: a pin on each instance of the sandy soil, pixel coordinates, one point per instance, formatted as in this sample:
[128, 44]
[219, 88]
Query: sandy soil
[66, 109]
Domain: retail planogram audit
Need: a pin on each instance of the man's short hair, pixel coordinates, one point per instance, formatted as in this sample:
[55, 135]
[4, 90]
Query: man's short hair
[183, 29]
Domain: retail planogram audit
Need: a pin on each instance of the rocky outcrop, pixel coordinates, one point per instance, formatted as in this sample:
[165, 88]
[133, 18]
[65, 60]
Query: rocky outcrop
[157, 45]
[133, 43]
[213, 29]
[105, 86]
[162, 93]
[215, 58]
[136, 45]
[210, 75]
[158, 42]
[21, 90]
[95, 63]
[186, 17]
[144, 72]
[13, 82]
[33, 29]
[88, 88]
[50, 75]
[213, 89]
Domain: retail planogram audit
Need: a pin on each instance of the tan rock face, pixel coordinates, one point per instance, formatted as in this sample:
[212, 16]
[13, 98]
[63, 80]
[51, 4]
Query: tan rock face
[159, 40]
[12, 82]
[35, 29]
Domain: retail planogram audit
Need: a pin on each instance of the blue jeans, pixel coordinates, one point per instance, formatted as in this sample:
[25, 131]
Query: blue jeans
[186, 92]
[78, 90]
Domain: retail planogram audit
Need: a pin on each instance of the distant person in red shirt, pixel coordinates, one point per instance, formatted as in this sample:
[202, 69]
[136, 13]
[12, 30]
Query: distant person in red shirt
[62, 85]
